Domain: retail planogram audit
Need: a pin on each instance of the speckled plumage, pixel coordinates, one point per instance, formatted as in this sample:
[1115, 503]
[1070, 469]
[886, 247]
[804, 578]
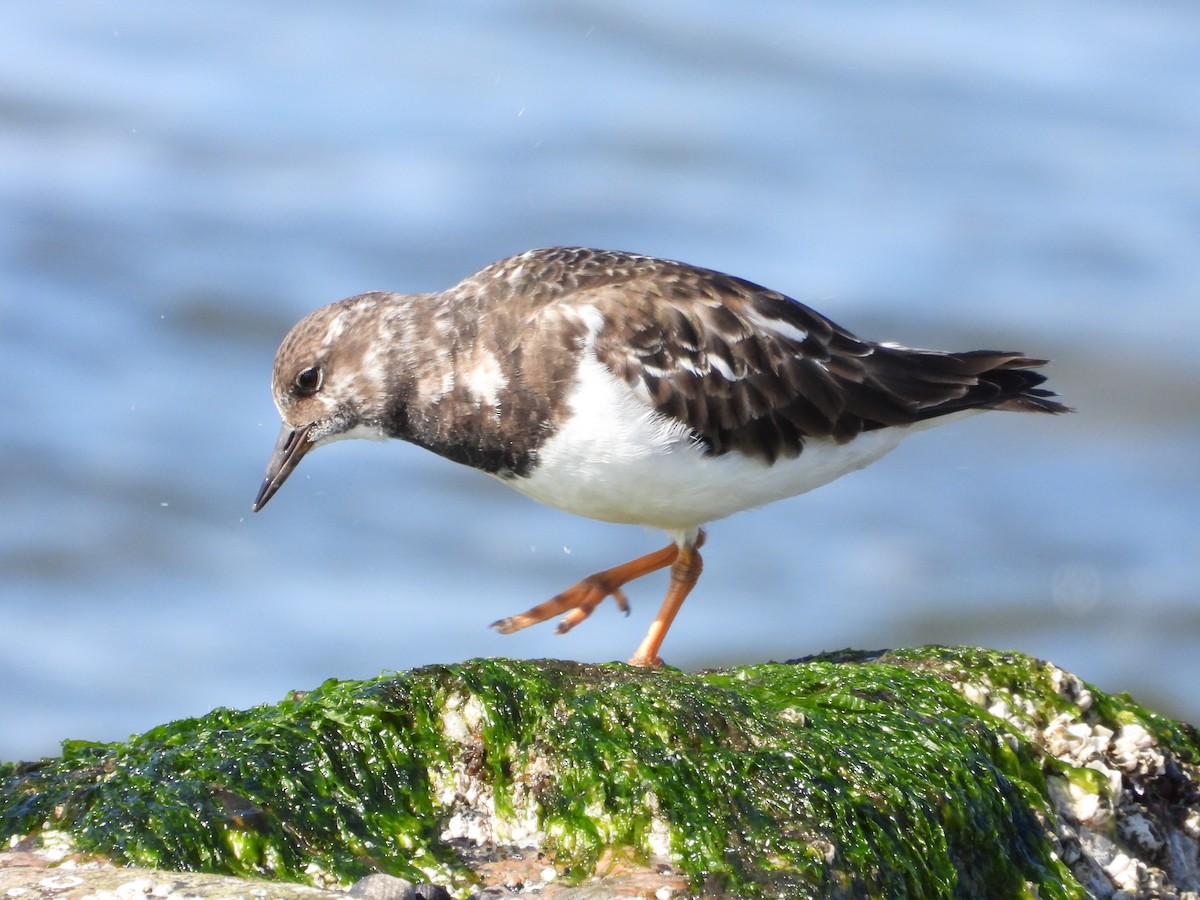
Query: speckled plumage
[623, 387]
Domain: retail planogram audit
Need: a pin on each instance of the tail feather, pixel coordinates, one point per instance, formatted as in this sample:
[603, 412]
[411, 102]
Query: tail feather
[977, 379]
[1017, 385]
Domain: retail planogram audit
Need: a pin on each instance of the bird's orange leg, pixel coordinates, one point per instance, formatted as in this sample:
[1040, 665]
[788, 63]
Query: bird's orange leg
[685, 571]
[579, 601]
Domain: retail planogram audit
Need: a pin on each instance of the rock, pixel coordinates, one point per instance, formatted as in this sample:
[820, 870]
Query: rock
[384, 887]
[28, 879]
[912, 773]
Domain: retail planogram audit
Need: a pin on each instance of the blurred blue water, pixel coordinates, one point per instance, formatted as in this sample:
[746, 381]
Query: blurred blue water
[178, 184]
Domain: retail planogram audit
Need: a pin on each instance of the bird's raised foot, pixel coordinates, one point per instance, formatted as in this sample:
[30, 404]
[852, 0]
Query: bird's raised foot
[584, 609]
[577, 601]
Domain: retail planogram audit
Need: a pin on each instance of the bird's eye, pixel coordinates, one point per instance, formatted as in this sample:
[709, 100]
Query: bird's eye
[308, 381]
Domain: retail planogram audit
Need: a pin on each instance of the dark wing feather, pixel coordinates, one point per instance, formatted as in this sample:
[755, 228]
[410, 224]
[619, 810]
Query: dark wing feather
[753, 371]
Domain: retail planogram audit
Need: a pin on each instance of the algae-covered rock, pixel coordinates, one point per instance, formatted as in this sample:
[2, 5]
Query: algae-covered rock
[922, 773]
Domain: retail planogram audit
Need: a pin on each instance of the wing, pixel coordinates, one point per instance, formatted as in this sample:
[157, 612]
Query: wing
[751, 370]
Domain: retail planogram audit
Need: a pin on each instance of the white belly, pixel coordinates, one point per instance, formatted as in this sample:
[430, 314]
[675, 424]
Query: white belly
[619, 461]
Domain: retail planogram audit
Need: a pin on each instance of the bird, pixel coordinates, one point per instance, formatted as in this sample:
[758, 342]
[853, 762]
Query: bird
[624, 388]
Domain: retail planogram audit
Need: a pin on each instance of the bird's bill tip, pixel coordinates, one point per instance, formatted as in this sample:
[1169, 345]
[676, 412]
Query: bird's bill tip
[290, 448]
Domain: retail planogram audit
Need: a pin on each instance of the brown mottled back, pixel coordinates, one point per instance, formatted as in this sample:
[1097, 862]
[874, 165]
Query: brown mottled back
[753, 371]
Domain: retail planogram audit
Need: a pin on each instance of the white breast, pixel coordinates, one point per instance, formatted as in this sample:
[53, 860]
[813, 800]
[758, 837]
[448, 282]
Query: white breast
[618, 460]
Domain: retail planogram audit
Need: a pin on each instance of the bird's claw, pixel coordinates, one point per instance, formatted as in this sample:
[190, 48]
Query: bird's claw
[622, 603]
[588, 605]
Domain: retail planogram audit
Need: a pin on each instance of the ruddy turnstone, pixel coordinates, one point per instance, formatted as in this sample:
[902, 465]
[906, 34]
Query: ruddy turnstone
[627, 389]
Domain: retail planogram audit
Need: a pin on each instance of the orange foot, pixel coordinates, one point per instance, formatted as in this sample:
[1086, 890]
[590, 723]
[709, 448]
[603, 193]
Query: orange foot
[579, 600]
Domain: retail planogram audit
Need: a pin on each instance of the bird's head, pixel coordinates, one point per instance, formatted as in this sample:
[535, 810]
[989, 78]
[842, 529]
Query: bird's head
[328, 384]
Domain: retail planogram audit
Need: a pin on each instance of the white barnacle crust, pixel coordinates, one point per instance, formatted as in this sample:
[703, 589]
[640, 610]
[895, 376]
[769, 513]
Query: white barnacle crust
[467, 795]
[1108, 823]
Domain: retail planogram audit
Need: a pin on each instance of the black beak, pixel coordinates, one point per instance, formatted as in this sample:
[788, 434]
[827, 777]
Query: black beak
[293, 443]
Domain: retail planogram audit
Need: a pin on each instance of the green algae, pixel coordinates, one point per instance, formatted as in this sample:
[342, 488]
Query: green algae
[839, 776]
[1039, 683]
[322, 780]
